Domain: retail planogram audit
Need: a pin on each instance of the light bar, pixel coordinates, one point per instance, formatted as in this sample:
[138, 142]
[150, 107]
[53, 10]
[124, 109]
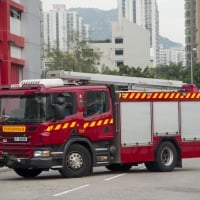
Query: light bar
[42, 82]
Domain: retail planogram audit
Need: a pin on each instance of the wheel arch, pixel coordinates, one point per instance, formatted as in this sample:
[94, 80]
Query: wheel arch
[82, 141]
[176, 145]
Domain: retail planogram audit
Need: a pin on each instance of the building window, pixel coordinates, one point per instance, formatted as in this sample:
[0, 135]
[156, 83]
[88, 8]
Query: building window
[188, 48]
[188, 39]
[187, 31]
[15, 13]
[119, 52]
[187, 22]
[119, 40]
[119, 63]
[187, 14]
[187, 5]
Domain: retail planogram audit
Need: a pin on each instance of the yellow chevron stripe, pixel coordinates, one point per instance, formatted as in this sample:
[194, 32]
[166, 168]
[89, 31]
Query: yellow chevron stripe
[177, 96]
[166, 95]
[111, 121]
[144, 96]
[58, 126]
[155, 95]
[188, 96]
[161, 96]
[73, 124]
[131, 96]
[49, 128]
[66, 125]
[99, 123]
[92, 124]
[86, 125]
[172, 95]
[106, 121]
[137, 96]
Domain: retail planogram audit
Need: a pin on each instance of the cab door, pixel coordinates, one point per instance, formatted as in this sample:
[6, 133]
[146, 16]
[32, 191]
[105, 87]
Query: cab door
[98, 117]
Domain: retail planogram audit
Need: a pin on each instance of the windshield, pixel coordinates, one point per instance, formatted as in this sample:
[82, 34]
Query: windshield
[23, 109]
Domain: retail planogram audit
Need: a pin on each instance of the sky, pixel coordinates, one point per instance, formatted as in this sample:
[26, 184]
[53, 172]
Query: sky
[171, 13]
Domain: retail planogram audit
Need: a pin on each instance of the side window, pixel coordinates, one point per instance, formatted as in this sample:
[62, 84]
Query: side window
[96, 103]
[68, 98]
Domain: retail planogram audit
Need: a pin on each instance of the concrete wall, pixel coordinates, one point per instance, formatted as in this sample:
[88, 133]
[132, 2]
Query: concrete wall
[31, 20]
[135, 46]
[136, 43]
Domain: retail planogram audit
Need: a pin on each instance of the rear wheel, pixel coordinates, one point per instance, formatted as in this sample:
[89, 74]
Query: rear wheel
[27, 173]
[77, 162]
[166, 157]
[119, 167]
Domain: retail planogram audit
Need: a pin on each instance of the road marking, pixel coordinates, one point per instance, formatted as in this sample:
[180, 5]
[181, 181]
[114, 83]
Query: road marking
[108, 179]
[72, 190]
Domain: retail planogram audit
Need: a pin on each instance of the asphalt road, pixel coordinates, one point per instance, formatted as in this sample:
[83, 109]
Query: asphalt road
[137, 184]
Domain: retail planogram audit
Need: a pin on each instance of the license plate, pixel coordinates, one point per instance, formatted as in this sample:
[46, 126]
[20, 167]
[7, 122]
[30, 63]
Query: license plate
[20, 139]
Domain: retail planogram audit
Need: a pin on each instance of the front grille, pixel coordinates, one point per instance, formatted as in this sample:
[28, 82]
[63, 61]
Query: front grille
[17, 145]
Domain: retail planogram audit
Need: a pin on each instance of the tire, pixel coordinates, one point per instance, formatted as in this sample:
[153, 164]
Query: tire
[77, 162]
[151, 166]
[119, 167]
[166, 157]
[27, 173]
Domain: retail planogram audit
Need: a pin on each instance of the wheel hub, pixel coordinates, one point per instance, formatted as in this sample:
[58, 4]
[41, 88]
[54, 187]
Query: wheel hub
[75, 161]
[167, 156]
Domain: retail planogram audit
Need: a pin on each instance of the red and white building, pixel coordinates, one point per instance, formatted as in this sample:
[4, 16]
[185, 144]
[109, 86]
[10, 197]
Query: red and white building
[19, 40]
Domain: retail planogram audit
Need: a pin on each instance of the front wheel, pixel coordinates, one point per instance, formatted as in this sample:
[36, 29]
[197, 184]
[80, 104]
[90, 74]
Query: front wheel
[166, 157]
[77, 162]
[27, 173]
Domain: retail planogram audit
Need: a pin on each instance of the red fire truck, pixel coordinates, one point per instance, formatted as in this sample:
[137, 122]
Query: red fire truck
[71, 125]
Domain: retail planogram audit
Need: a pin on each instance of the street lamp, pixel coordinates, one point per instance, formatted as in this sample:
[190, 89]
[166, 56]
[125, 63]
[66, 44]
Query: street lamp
[191, 63]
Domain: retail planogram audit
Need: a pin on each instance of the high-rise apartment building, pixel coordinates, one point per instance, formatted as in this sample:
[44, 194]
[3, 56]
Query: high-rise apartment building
[192, 31]
[174, 55]
[61, 27]
[145, 14]
[19, 40]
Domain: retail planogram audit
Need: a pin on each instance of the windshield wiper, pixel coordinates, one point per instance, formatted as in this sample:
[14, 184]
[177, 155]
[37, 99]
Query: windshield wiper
[13, 120]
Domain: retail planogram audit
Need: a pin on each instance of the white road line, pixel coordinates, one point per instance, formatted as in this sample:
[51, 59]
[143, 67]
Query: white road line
[108, 179]
[72, 190]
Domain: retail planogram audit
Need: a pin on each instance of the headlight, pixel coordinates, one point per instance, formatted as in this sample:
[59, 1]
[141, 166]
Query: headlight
[42, 153]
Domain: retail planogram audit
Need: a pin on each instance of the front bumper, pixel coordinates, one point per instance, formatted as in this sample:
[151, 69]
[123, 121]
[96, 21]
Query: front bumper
[11, 162]
[36, 162]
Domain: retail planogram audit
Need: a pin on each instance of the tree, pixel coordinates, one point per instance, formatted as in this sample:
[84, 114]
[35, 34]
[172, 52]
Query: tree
[80, 57]
[196, 74]
[107, 70]
[149, 72]
[84, 57]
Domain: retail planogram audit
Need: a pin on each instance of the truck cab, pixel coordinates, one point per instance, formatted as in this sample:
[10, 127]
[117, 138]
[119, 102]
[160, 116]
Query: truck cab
[41, 125]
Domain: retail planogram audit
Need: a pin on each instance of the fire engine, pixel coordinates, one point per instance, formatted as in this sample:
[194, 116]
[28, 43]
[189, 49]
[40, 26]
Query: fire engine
[72, 122]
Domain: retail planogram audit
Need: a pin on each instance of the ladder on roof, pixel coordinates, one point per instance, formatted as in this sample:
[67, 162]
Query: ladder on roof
[132, 83]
